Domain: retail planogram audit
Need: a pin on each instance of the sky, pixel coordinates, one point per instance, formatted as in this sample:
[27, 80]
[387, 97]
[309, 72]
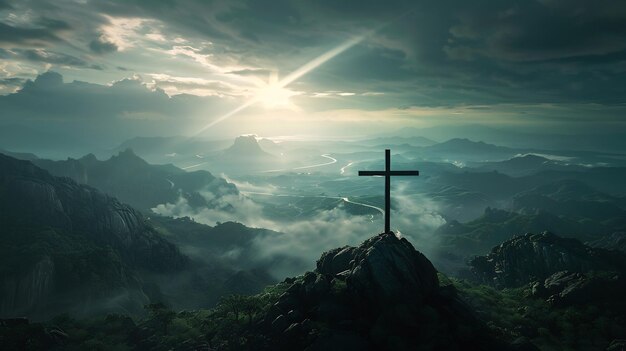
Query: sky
[117, 69]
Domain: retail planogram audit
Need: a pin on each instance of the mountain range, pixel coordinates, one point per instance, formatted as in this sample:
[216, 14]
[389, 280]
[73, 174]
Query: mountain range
[69, 248]
[138, 183]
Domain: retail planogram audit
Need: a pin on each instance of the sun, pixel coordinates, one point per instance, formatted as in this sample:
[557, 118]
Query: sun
[275, 96]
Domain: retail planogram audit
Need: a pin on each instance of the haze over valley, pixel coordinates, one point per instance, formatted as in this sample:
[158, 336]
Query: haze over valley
[185, 175]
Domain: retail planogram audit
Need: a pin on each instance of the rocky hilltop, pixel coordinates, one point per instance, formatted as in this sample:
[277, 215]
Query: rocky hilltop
[535, 257]
[382, 295]
[63, 243]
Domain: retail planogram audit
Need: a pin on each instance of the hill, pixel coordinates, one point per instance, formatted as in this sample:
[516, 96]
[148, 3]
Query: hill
[525, 165]
[140, 184]
[576, 200]
[246, 147]
[531, 257]
[67, 247]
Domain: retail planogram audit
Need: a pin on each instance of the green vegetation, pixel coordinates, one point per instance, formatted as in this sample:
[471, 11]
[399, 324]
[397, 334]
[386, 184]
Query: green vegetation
[233, 323]
[514, 313]
[228, 326]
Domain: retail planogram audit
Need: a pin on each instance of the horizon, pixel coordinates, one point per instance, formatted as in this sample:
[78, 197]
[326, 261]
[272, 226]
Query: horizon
[105, 72]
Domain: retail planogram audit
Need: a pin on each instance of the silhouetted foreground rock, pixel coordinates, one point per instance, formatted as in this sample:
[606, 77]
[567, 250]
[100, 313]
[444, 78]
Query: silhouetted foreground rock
[382, 295]
[535, 257]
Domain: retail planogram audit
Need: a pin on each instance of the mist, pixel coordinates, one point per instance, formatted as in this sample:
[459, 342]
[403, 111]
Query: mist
[299, 243]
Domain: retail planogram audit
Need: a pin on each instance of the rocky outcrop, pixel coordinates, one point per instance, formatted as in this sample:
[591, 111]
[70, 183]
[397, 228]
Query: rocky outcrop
[30, 197]
[531, 257]
[64, 244]
[381, 295]
[613, 241]
[383, 268]
[566, 288]
[29, 291]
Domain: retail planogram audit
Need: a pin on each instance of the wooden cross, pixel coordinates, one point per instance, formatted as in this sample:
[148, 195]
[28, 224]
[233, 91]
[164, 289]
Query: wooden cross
[387, 173]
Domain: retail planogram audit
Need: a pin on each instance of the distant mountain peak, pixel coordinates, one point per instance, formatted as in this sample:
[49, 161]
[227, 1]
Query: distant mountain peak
[128, 156]
[463, 141]
[246, 146]
[88, 158]
[466, 145]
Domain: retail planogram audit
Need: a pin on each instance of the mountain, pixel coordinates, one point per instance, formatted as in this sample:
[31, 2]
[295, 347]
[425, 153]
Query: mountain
[462, 145]
[513, 137]
[159, 149]
[246, 147]
[531, 257]
[20, 155]
[396, 140]
[614, 241]
[243, 157]
[67, 247]
[461, 150]
[576, 200]
[381, 295]
[140, 184]
[270, 146]
[230, 244]
[478, 236]
[525, 165]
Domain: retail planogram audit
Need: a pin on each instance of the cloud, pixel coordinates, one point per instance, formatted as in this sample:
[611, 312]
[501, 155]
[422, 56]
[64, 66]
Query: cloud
[300, 242]
[106, 113]
[11, 84]
[542, 31]
[47, 56]
[447, 53]
[4, 4]
[18, 35]
[102, 46]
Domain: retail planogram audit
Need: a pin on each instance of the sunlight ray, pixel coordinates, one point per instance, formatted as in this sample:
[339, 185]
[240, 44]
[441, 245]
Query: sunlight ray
[293, 76]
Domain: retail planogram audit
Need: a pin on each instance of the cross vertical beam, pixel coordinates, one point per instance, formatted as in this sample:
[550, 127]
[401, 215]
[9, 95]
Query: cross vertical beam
[387, 173]
[387, 191]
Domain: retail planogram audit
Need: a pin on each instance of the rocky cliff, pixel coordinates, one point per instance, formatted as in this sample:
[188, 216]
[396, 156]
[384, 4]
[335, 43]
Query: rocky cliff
[63, 243]
[532, 257]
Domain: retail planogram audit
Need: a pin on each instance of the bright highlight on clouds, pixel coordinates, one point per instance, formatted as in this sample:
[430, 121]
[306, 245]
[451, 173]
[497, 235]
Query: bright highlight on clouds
[212, 59]
[276, 94]
[121, 32]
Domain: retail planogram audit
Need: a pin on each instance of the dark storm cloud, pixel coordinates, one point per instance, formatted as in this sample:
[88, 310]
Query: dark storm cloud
[18, 35]
[503, 51]
[443, 52]
[102, 46]
[11, 83]
[542, 30]
[123, 109]
[4, 4]
[47, 56]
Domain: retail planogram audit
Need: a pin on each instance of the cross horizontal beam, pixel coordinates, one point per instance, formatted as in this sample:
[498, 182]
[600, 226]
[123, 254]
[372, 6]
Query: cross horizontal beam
[387, 173]
[391, 173]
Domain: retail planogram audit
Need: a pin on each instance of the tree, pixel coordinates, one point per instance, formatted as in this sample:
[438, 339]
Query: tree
[161, 315]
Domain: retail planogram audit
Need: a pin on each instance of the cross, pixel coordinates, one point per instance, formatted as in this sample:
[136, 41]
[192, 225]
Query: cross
[387, 173]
